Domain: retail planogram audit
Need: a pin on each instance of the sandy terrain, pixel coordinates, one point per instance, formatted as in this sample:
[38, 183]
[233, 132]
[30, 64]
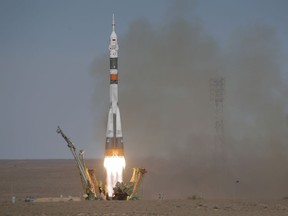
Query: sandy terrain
[148, 207]
[53, 178]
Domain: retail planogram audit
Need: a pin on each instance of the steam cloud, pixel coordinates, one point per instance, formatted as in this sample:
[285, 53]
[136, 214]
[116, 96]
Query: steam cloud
[167, 115]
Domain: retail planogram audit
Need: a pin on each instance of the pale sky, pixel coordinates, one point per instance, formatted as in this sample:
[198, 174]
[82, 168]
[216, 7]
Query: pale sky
[47, 49]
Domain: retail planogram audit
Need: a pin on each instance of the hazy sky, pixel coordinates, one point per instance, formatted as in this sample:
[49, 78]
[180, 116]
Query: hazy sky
[47, 49]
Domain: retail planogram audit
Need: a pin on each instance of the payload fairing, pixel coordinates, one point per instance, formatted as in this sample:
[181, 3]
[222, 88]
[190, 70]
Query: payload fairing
[114, 138]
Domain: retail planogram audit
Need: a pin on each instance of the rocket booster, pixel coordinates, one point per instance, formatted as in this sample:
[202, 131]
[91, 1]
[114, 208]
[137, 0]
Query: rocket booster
[114, 138]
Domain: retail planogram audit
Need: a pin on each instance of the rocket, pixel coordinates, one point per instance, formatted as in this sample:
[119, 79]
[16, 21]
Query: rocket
[114, 138]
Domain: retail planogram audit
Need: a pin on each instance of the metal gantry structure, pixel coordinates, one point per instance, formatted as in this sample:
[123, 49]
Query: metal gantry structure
[219, 160]
[89, 181]
[217, 92]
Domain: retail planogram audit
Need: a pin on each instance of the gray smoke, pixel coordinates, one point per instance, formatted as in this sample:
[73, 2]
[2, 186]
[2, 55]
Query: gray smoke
[167, 115]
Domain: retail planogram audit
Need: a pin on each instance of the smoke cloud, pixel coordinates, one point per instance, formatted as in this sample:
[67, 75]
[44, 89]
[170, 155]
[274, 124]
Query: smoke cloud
[169, 121]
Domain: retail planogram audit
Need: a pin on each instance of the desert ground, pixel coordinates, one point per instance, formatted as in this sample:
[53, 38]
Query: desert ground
[60, 178]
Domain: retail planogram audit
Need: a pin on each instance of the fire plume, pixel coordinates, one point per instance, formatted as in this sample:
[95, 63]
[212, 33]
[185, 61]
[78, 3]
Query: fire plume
[114, 166]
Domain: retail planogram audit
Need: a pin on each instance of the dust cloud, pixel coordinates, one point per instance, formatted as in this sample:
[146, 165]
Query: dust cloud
[169, 121]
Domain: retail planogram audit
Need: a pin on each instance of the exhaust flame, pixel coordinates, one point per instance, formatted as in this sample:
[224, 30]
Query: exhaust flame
[114, 166]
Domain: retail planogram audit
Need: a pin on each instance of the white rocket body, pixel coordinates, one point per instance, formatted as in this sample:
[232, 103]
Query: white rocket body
[114, 138]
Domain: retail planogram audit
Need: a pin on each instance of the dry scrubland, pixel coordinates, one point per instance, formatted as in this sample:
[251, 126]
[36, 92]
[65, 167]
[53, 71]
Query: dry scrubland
[52, 178]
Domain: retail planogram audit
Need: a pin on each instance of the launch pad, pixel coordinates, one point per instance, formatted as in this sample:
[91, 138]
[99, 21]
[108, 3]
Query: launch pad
[96, 190]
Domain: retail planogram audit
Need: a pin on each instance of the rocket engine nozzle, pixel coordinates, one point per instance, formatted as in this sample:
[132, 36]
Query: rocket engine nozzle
[114, 152]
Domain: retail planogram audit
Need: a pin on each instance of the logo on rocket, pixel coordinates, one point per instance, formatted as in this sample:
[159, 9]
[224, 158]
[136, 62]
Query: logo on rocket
[114, 138]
